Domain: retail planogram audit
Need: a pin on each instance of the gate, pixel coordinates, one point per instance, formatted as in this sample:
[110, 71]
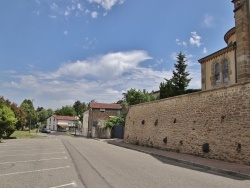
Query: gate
[118, 131]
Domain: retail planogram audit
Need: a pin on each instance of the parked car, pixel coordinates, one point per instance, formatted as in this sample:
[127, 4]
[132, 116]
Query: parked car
[45, 130]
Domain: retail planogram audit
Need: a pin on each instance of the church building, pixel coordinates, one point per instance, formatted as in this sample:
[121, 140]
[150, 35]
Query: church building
[231, 64]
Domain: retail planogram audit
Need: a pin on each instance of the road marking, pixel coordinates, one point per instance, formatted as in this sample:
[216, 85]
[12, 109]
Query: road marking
[65, 185]
[33, 154]
[33, 160]
[30, 149]
[25, 172]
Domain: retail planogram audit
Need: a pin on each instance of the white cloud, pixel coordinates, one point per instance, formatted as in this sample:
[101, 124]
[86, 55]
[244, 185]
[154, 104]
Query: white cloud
[103, 78]
[107, 4]
[178, 42]
[66, 13]
[204, 50]
[66, 33]
[94, 14]
[80, 7]
[174, 56]
[108, 66]
[208, 20]
[195, 39]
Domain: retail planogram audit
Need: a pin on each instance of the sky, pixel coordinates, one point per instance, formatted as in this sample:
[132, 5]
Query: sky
[56, 52]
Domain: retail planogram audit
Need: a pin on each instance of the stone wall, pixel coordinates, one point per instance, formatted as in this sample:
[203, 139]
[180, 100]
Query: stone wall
[219, 117]
[241, 12]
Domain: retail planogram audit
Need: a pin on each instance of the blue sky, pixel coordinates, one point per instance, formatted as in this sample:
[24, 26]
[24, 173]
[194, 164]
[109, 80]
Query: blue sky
[60, 51]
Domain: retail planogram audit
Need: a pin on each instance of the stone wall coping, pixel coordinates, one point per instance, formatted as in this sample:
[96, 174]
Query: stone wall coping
[195, 93]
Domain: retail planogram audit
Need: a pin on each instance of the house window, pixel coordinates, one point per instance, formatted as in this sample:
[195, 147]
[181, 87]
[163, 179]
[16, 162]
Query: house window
[102, 110]
[225, 70]
[217, 72]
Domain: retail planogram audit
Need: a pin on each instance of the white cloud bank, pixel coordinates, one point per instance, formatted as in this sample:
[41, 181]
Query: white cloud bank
[108, 66]
[103, 78]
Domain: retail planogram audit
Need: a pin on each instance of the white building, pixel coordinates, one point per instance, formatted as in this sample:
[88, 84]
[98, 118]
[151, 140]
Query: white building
[58, 123]
[85, 122]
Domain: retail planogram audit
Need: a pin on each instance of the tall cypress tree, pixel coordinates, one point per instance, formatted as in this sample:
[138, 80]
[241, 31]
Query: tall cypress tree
[177, 85]
[180, 78]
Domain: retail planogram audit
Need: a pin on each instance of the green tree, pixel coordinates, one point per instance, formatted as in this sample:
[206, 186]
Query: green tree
[7, 120]
[39, 109]
[114, 121]
[180, 78]
[167, 89]
[32, 117]
[134, 96]
[50, 112]
[66, 111]
[42, 115]
[80, 108]
[178, 84]
[20, 115]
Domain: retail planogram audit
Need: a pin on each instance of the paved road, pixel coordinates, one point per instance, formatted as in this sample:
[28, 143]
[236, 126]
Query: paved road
[28, 163]
[78, 162]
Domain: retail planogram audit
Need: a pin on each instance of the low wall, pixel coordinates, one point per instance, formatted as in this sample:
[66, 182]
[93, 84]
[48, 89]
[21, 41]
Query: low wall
[217, 118]
[100, 132]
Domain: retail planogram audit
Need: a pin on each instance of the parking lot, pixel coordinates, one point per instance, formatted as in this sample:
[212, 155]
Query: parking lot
[36, 163]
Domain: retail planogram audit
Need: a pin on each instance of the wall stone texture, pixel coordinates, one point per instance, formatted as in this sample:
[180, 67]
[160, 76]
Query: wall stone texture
[219, 117]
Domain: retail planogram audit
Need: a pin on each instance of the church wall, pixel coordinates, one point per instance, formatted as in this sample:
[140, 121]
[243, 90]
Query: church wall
[209, 73]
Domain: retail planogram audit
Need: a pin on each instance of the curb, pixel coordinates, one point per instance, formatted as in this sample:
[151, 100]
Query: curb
[215, 169]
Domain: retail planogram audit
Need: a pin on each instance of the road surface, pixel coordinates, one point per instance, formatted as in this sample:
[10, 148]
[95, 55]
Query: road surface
[64, 161]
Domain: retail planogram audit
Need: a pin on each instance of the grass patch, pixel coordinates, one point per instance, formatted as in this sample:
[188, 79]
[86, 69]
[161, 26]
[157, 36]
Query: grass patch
[23, 134]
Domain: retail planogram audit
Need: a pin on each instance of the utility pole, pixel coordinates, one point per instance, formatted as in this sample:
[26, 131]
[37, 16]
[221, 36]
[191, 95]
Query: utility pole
[30, 115]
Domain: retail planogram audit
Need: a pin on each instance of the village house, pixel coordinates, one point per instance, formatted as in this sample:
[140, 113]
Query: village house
[96, 116]
[60, 123]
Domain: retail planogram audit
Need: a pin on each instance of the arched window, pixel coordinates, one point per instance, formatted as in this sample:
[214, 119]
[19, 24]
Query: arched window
[225, 70]
[217, 72]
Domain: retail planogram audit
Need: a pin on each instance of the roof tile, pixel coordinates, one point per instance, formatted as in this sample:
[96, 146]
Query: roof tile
[104, 105]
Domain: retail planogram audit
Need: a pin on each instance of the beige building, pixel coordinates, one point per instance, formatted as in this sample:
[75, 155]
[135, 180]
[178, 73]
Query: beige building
[231, 64]
[96, 116]
[59, 123]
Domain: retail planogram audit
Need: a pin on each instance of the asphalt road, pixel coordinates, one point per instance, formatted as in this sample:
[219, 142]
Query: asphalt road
[64, 161]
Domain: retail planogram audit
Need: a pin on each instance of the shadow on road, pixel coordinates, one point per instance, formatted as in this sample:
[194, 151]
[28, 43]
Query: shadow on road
[200, 169]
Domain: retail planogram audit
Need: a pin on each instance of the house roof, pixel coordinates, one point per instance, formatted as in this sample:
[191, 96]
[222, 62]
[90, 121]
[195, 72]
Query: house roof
[218, 53]
[104, 105]
[70, 118]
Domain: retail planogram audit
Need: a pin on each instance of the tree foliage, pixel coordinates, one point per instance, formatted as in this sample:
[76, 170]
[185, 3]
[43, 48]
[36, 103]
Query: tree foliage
[114, 121]
[31, 114]
[66, 111]
[7, 120]
[80, 108]
[178, 84]
[134, 96]
[20, 115]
